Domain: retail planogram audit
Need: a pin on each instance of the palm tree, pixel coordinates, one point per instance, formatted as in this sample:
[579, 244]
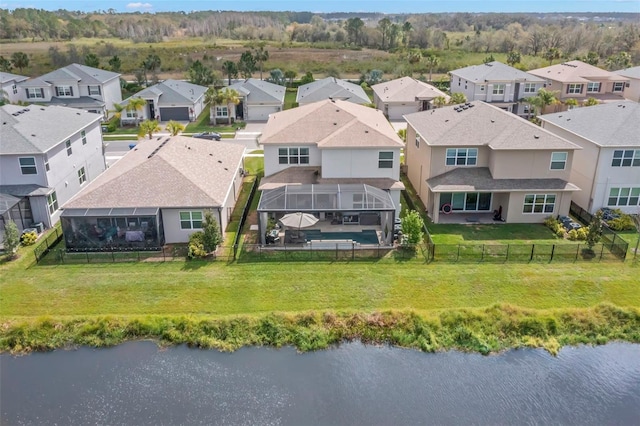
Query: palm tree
[148, 127]
[457, 98]
[173, 127]
[231, 69]
[20, 60]
[214, 98]
[432, 62]
[261, 56]
[414, 57]
[290, 74]
[232, 98]
[440, 101]
[552, 54]
[117, 111]
[543, 99]
[136, 105]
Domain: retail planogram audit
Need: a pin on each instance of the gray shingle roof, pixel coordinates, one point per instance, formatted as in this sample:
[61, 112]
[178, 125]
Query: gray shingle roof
[494, 71]
[25, 190]
[612, 124]
[480, 179]
[37, 129]
[334, 88]
[184, 172]
[172, 92]
[260, 91]
[83, 73]
[81, 102]
[6, 77]
[35, 82]
[630, 72]
[482, 124]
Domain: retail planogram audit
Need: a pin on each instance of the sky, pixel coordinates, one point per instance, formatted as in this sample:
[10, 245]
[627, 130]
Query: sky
[384, 6]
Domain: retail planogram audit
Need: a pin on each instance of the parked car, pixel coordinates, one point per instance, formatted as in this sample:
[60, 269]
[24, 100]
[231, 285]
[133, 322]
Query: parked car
[208, 135]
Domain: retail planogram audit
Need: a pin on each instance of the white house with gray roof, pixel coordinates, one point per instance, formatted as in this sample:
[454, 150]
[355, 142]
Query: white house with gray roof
[9, 86]
[607, 168]
[47, 155]
[157, 193]
[403, 96]
[258, 99]
[471, 162]
[497, 84]
[632, 90]
[331, 88]
[74, 86]
[170, 100]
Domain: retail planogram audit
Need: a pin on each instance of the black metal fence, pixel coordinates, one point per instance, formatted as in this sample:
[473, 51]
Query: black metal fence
[411, 205]
[53, 238]
[243, 217]
[581, 214]
[612, 240]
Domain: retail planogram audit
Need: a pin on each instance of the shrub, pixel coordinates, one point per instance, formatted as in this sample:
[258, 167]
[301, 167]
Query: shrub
[196, 245]
[622, 223]
[582, 234]
[572, 235]
[11, 239]
[29, 238]
[211, 236]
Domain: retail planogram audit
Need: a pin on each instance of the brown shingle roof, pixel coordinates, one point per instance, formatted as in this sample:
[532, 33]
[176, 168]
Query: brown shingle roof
[312, 175]
[406, 89]
[576, 72]
[183, 172]
[335, 124]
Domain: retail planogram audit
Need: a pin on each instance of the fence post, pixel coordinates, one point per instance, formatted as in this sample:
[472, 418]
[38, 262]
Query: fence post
[577, 252]
[458, 258]
[553, 250]
[37, 260]
[507, 255]
[113, 256]
[87, 256]
[353, 250]
[533, 248]
[482, 258]
[601, 252]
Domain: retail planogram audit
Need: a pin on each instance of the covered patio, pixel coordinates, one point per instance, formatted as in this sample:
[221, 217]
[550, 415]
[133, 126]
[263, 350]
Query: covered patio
[344, 209]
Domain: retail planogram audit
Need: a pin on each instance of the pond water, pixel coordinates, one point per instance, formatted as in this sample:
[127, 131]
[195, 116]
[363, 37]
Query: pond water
[137, 383]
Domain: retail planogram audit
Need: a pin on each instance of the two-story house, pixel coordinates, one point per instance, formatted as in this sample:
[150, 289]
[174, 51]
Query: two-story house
[607, 168]
[75, 86]
[335, 159]
[497, 84]
[632, 90]
[168, 100]
[579, 80]
[403, 96]
[474, 162]
[331, 88]
[47, 155]
[9, 86]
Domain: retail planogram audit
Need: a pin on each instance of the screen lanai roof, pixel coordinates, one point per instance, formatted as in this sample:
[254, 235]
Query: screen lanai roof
[322, 197]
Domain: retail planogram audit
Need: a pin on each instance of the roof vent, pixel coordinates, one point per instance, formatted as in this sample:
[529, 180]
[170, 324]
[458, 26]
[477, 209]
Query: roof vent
[446, 121]
[536, 136]
[33, 135]
[226, 169]
[493, 121]
[220, 161]
[210, 155]
[366, 131]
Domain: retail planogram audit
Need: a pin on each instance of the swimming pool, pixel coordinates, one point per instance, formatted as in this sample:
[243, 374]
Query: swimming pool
[366, 236]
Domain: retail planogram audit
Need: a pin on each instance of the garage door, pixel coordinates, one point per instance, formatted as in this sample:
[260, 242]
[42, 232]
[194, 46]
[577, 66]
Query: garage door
[174, 113]
[397, 111]
[261, 112]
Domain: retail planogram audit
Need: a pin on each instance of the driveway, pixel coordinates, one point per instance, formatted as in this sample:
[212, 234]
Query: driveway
[249, 135]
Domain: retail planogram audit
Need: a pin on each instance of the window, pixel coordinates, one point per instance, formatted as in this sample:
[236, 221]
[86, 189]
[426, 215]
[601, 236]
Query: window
[462, 156]
[626, 158]
[28, 166]
[52, 202]
[539, 203]
[64, 91]
[618, 86]
[94, 90]
[84, 137]
[35, 93]
[498, 89]
[222, 111]
[293, 155]
[68, 145]
[482, 87]
[593, 87]
[131, 114]
[466, 201]
[82, 176]
[530, 88]
[46, 163]
[385, 160]
[558, 160]
[574, 88]
[620, 197]
[191, 220]
[417, 141]
[14, 89]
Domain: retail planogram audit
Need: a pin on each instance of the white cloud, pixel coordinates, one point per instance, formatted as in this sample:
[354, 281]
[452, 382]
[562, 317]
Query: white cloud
[139, 5]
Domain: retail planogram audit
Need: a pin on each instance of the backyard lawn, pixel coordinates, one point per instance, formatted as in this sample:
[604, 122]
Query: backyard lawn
[493, 234]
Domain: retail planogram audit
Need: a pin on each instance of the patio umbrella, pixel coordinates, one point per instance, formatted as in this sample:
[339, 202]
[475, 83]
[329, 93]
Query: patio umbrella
[298, 220]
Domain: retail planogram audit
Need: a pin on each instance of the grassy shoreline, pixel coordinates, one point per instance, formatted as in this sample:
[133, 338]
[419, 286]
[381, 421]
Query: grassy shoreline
[489, 330]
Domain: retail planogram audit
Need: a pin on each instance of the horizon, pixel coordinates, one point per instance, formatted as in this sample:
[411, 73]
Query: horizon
[334, 6]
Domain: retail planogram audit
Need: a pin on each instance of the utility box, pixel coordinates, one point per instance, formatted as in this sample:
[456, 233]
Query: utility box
[39, 227]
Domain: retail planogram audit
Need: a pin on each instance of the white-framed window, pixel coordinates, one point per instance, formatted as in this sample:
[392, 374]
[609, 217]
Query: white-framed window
[482, 87]
[385, 160]
[28, 165]
[222, 111]
[94, 90]
[498, 89]
[539, 203]
[417, 141]
[67, 145]
[618, 86]
[574, 88]
[190, 220]
[83, 134]
[14, 89]
[462, 156]
[293, 155]
[530, 88]
[35, 93]
[466, 201]
[593, 87]
[558, 160]
[626, 158]
[46, 163]
[52, 202]
[131, 114]
[621, 197]
[82, 176]
[64, 91]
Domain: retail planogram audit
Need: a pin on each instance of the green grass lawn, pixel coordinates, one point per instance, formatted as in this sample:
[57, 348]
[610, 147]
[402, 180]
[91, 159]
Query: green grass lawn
[290, 98]
[493, 234]
[202, 124]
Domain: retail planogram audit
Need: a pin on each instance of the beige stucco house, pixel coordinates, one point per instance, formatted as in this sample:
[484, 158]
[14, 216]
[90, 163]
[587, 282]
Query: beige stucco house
[632, 91]
[403, 96]
[470, 161]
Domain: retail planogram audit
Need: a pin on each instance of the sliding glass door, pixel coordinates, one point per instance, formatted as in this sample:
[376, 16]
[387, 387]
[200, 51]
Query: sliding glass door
[466, 201]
